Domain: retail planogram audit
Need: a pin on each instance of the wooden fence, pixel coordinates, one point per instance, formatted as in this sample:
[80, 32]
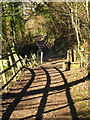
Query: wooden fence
[75, 60]
[11, 65]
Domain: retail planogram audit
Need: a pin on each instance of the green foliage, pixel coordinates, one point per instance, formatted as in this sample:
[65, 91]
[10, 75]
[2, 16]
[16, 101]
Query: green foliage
[55, 21]
[13, 22]
[32, 62]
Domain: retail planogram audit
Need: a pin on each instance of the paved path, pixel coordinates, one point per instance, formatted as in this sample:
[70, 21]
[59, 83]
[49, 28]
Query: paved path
[39, 94]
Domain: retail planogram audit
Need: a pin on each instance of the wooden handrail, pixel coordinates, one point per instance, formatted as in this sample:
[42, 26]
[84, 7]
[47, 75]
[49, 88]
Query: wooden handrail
[9, 67]
[3, 57]
[17, 62]
[11, 79]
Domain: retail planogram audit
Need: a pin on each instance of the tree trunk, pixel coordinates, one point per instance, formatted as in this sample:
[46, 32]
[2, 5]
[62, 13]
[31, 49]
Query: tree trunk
[87, 9]
[75, 25]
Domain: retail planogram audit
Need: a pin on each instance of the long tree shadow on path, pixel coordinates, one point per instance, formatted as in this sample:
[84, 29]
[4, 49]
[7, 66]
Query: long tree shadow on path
[64, 87]
[45, 91]
[33, 92]
[69, 98]
[44, 97]
[13, 105]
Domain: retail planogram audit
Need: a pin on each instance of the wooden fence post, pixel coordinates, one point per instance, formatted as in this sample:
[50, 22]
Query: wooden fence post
[18, 63]
[89, 61]
[81, 60]
[74, 55]
[41, 57]
[68, 57]
[11, 63]
[1, 69]
[23, 61]
[82, 54]
[16, 59]
[37, 55]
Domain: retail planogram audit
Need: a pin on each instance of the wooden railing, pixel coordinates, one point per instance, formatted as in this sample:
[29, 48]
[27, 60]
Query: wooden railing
[10, 64]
